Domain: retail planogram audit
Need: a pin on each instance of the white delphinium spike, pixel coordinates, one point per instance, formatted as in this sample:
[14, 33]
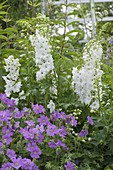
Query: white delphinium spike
[12, 83]
[43, 57]
[88, 78]
[51, 106]
[53, 89]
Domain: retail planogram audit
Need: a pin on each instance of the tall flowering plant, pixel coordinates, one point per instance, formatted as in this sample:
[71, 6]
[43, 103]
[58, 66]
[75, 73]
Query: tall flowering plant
[43, 57]
[46, 70]
[20, 85]
[87, 80]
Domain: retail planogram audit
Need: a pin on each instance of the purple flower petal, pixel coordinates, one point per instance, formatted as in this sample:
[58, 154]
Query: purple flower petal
[83, 133]
[90, 120]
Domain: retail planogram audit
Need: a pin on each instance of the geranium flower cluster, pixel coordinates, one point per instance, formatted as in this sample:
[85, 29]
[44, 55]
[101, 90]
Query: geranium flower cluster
[87, 80]
[19, 124]
[12, 82]
[43, 57]
[33, 129]
[23, 163]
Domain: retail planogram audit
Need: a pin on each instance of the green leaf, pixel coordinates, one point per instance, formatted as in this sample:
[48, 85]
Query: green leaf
[1, 4]
[11, 30]
[3, 12]
[70, 32]
[6, 20]
[3, 37]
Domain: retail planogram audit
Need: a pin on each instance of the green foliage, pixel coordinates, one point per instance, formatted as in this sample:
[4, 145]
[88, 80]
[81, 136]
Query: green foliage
[19, 20]
[7, 42]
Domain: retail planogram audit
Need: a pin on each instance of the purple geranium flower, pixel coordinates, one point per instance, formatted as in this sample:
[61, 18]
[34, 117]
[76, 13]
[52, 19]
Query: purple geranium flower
[34, 167]
[31, 145]
[26, 163]
[43, 120]
[18, 114]
[39, 128]
[11, 154]
[16, 125]
[9, 125]
[39, 137]
[54, 116]
[3, 97]
[90, 120]
[52, 144]
[29, 134]
[62, 131]
[57, 115]
[5, 115]
[67, 118]
[52, 130]
[17, 163]
[26, 111]
[73, 121]
[6, 139]
[62, 115]
[30, 123]
[6, 130]
[77, 161]
[38, 108]
[69, 166]
[83, 133]
[60, 143]
[34, 149]
[6, 166]
[23, 131]
[5, 100]
[35, 152]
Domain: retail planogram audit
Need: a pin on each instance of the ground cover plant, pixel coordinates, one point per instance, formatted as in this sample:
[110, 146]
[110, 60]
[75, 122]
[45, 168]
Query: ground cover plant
[56, 106]
[28, 135]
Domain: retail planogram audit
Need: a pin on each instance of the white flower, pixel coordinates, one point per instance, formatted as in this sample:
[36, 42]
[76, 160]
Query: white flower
[51, 106]
[43, 57]
[88, 78]
[95, 105]
[16, 87]
[53, 89]
[12, 67]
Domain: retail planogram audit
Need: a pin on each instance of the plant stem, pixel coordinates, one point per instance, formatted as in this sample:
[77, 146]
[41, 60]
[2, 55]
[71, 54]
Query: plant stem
[65, 25]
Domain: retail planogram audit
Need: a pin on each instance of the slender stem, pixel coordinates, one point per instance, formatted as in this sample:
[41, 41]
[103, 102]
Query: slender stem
[65, 26]
[61, 53]
[93, 18]
[98, 88]
[33, 9]
[84, 19]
